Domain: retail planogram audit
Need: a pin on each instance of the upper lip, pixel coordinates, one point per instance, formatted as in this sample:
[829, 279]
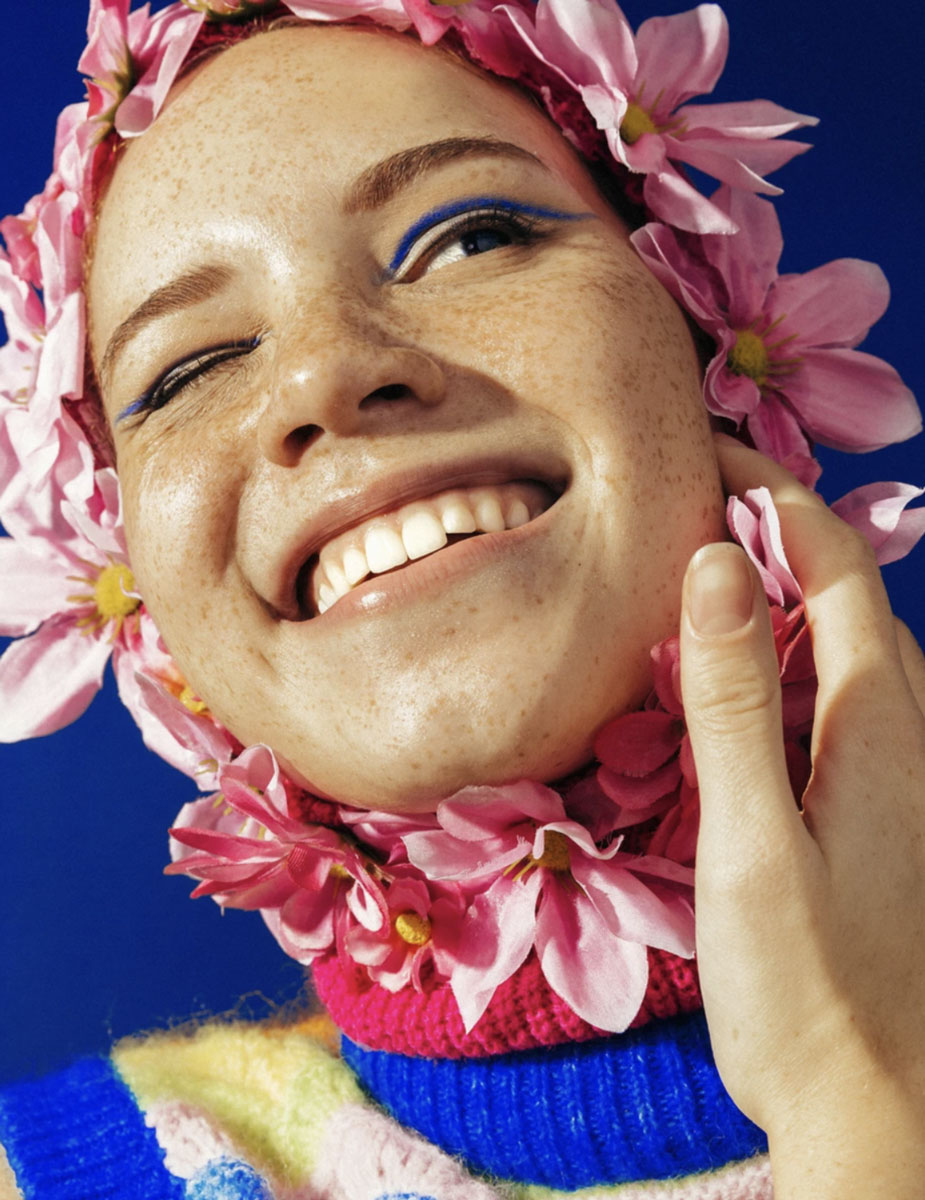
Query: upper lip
[358, 503]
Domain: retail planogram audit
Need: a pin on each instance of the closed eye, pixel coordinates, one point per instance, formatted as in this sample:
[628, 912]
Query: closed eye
[184, 372]
[466, 228]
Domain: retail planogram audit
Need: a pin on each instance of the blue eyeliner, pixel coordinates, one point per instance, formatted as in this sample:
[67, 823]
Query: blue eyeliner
[208, 359]
[472, 204]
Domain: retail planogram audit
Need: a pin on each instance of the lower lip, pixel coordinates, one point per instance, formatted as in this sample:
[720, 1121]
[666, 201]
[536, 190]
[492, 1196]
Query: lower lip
[422, 578]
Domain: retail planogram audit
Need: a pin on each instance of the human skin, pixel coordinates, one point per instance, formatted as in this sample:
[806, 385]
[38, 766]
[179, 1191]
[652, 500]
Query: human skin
[813, 998]
[559, 359]
[824, 1140]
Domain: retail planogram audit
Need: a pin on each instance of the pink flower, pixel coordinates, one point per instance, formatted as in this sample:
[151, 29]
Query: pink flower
[590, 912]
[308, 881]
[174, 722]
[133, 59]
[638, 90]
[68, 594]
[423, 927]
[785, 365]
[879, 511]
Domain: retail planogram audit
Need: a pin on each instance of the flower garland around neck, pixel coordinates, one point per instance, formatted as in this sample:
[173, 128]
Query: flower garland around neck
[587, 876]
[601, 868]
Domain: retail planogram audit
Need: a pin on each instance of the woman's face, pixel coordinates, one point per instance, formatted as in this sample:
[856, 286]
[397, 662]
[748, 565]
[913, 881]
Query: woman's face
[356, 296]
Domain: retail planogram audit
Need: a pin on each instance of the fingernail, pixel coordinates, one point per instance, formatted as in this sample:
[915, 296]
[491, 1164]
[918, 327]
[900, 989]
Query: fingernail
[720, 589]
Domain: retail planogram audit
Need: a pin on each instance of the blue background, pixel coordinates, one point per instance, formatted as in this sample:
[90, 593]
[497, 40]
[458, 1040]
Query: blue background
[94, 942]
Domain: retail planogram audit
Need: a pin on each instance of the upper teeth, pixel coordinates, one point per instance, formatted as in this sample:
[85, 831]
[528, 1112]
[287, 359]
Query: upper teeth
[417, 529]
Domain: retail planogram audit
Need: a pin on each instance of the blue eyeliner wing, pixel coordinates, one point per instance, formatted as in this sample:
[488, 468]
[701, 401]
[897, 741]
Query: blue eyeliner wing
[446, 211]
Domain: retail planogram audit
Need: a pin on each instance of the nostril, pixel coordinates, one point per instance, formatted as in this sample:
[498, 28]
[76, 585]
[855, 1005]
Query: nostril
[301, 438]
[390, 391]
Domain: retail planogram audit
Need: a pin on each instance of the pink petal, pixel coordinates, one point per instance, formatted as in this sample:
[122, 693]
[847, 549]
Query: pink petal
[758, 119]
[496, 938]
[835, 304]
[168, 36]
[691, 283]
[34, 585]
[681, 56]
[588, 43]
[727, 394]
[676, 202]
[775, 430]
[747, 261]
[721, 160]
[755, 525]
[634, 911]
[852, 401]
[48, 680]
[634, 795]
[878, 510]
[638, 743]
[600, 976]
[478, 812]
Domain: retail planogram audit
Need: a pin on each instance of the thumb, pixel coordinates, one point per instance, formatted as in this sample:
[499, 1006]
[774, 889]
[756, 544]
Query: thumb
[730, 684]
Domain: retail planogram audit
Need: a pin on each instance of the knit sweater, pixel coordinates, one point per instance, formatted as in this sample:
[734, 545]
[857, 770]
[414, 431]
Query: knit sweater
[260, 1112]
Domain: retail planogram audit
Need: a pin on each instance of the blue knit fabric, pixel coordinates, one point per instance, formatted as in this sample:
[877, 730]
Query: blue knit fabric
[78, 1135]
[646, 1105]
[228, 1179]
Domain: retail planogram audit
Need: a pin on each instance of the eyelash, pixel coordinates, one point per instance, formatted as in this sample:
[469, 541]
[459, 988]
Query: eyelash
[522, 222]
[181, 374]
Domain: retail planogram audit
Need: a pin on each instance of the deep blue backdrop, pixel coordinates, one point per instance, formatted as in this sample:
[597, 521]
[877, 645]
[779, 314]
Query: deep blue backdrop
[93, 941]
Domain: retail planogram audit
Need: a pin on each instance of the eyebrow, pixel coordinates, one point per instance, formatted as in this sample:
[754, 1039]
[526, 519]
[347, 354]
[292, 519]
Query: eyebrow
[187, 289]
[373, 188]
[379, 183]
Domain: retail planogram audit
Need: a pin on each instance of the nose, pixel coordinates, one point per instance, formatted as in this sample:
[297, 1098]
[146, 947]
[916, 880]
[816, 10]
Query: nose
[341, 377]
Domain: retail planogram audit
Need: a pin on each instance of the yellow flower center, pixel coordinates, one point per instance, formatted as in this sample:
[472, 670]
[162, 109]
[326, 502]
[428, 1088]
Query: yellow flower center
[749, 356]
[635, 123]
[412, 929]
[191, 701]
[110, 593]
[556, 852]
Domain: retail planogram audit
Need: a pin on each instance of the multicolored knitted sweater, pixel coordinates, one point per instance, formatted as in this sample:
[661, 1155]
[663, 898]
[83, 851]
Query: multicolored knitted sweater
[247, 1111]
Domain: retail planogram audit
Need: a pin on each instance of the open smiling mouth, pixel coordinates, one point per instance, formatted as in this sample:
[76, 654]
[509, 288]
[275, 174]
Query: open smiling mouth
[389, 541]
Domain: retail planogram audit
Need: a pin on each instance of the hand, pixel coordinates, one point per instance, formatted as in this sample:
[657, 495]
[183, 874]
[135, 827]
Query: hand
[811, 926]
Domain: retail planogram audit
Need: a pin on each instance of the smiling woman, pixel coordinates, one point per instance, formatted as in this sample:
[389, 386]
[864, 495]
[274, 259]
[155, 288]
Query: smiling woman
[388, 479]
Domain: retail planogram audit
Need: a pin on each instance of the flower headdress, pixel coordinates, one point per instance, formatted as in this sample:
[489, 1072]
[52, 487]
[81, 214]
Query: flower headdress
[604, 862]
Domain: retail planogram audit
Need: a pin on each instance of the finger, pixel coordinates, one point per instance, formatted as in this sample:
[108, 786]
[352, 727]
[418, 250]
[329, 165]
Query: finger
[913, 662]
[732, 705]
[846, 603]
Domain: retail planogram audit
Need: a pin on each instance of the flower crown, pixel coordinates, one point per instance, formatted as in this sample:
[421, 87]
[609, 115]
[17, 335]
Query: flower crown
[521, 866]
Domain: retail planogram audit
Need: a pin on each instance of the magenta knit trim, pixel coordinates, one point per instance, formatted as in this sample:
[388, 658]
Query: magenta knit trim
[523, 1014]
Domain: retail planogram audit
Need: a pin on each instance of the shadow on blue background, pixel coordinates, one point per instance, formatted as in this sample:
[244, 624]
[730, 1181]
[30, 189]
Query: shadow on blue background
[94, 942]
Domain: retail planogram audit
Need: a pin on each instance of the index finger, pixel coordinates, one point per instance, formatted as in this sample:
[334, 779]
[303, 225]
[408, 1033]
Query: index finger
[847, 606]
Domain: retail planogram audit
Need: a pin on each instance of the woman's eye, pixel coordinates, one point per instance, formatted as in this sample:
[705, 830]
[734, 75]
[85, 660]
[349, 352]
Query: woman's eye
[181, 374]
[467, 228]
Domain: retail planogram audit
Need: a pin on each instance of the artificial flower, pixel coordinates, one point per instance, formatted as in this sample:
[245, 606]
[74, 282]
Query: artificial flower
[423, 927]
[589, 911]
[785, 367]
[637, 90]
[132, 60]
[249, 852]
[71, 600]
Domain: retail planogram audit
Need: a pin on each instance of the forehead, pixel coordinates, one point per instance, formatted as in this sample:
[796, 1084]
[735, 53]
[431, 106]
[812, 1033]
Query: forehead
[284, 123]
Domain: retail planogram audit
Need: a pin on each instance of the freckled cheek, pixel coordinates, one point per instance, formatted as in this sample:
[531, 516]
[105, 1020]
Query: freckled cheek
[178, 532]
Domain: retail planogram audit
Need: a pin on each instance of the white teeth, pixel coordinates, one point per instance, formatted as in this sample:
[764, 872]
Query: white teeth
[384, 549]
[355, 565]
[518, 514]
[422, 534]
[456, 515]
[488, 514]
[419, 529]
